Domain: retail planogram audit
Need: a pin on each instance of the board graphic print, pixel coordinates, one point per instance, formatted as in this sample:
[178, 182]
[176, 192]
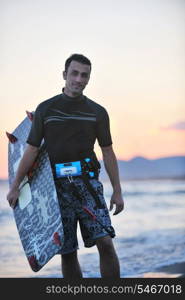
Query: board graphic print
[37, 213]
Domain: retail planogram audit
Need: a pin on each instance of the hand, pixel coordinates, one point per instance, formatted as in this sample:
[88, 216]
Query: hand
[117, 199]
[12, 197]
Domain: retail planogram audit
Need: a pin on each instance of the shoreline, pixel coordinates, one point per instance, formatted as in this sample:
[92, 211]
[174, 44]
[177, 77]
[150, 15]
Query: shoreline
[175, 270]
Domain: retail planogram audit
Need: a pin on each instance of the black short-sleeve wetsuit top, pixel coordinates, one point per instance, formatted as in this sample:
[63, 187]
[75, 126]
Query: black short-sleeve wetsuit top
[70, 127]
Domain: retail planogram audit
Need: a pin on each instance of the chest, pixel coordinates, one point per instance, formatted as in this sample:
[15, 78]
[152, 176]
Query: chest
[70, 119]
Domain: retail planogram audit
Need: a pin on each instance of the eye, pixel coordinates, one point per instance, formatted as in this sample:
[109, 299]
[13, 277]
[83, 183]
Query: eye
[75, 73]
[84, 75]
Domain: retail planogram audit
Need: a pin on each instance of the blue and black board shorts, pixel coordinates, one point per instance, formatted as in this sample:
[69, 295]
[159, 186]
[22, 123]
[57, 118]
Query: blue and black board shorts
[72, 212]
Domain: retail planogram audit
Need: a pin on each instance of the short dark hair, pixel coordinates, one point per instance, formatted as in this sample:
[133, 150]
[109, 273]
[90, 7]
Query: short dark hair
[79, 58]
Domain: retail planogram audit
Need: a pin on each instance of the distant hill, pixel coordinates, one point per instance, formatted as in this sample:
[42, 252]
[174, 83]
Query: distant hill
[142, 168]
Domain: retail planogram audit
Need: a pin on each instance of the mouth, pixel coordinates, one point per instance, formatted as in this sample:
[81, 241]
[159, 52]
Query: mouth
[77, 86]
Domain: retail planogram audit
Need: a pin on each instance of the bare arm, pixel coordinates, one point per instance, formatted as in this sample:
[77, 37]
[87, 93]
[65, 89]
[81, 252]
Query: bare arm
[111, 167]
[25, 164]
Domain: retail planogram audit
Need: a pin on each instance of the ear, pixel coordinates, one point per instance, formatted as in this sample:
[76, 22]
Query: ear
[64, 75]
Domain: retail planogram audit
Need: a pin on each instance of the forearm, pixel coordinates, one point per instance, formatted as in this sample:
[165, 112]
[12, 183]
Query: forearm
[25, 164]
[111, 167]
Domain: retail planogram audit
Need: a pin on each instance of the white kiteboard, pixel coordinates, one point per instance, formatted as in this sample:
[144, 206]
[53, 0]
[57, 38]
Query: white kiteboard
[37, 213]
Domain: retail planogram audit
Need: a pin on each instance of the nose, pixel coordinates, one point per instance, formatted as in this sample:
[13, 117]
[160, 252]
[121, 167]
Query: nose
[78, 78]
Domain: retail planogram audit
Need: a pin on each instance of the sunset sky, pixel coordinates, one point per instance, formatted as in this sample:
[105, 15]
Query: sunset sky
[137, 50]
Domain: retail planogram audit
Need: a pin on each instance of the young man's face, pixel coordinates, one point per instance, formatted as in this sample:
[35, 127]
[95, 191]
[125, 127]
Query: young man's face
[77, 78]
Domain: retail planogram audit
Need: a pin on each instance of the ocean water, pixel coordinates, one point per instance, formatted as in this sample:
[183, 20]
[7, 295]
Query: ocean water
[150, 233]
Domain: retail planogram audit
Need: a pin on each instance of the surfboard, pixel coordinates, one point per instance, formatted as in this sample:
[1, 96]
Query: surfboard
[37, 213]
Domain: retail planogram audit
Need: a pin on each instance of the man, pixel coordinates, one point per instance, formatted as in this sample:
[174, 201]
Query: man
[70, 124]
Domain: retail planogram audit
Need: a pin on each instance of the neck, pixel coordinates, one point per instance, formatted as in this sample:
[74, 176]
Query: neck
[71, 94]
